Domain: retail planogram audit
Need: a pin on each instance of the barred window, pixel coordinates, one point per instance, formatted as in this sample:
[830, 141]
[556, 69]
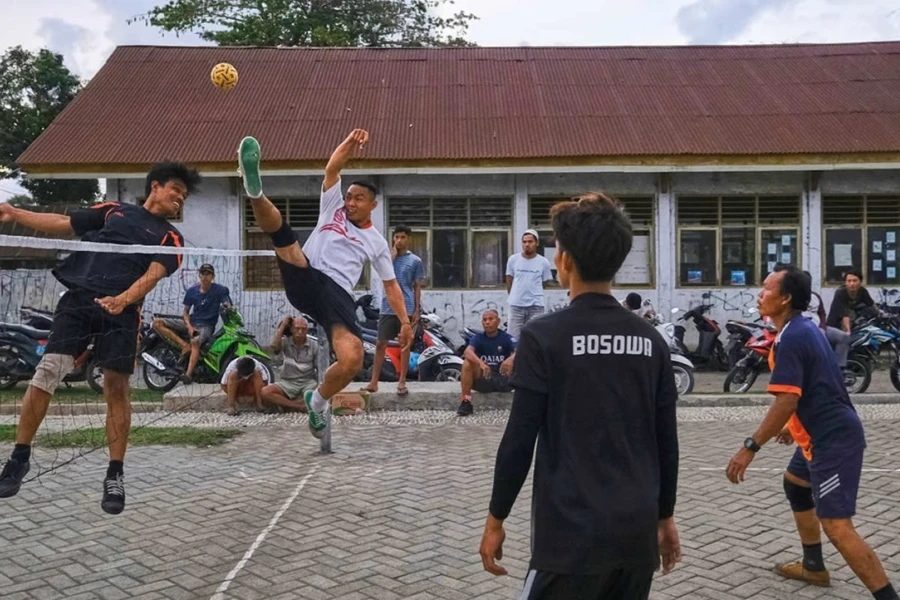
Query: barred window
[463, 242]
[735, 240]
[861, 232]
[637, 270]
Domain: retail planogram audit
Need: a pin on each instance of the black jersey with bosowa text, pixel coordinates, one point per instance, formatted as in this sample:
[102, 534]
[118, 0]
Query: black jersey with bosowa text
[607, 450]
[117, 223]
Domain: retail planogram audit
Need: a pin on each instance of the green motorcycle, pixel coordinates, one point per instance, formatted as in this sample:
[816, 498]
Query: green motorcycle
[164, 363]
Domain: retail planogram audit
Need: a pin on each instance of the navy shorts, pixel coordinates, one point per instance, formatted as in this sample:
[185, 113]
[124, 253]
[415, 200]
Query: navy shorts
[834, 481]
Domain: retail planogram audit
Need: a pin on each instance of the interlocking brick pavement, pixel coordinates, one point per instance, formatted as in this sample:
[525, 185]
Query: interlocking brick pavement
[397, 512]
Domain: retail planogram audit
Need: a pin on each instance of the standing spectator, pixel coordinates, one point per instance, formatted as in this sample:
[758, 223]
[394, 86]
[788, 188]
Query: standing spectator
[594, 388]
[410, 272]
[298, 371]
[527, 274]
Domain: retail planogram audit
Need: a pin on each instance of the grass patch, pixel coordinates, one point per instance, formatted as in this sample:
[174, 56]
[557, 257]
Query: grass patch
[144, 436]
[80, 394]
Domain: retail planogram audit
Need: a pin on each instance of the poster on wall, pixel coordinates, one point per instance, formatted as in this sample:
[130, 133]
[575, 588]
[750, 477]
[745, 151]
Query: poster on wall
[739, 278]
[636, 268]
[891, 256]
[876, 264]
[695, 276]
[890, 237]
[843, 255]
[876, 247]
[891, 272]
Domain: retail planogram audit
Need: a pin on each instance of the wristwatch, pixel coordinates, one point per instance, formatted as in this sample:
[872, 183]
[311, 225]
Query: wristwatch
[751, 445]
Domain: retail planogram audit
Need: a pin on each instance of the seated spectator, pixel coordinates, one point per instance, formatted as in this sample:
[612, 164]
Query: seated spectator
[298, 372]
[244, 378]
[488, 361]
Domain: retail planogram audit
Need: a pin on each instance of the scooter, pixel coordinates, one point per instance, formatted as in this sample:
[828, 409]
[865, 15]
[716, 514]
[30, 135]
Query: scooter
[681, 365]
[21, 349]
[430, 359]
[163, 362]
[710, 352]
[755, 360]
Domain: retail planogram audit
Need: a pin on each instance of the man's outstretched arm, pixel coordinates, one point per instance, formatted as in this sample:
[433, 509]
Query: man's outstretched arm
[341, 155]
[51, 223]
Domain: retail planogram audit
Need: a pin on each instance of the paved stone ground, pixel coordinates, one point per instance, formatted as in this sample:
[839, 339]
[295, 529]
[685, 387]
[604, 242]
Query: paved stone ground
[397, 512]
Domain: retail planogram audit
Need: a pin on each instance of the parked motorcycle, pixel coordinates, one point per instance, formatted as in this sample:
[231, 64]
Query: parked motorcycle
[681, 365]
[431, 357]
[164, 364]
[755, 360]
[710, 352]
[739, 333]
[21, 349]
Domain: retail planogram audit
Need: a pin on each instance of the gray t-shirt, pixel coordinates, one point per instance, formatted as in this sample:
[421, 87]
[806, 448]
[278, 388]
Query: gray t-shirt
[299, 361]
[529, 275]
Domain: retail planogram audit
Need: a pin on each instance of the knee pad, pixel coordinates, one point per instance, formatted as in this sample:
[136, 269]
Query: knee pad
[285, 236]
[800, 498]
[51, 371]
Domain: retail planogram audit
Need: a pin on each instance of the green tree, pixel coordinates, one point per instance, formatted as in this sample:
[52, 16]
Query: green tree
[34, 88]
[366, 23]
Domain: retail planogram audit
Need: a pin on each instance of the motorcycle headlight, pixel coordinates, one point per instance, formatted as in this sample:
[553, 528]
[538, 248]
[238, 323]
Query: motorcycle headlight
[670, 330]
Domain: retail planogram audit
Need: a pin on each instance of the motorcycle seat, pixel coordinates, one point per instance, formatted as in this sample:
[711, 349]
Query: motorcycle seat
[35, 334]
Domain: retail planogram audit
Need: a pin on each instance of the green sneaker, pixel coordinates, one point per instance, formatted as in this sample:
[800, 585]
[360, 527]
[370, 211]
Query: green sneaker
[317, 421]
[248, 161]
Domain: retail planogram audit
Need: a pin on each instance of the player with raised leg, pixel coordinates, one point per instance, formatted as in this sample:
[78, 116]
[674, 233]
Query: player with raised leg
[319, 277]
[103, 301]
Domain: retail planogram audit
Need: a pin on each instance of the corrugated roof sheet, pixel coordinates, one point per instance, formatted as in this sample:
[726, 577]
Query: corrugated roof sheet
[149, 103]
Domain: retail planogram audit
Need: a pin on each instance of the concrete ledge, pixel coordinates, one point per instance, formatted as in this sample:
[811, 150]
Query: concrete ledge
[57, 409]
[445, 396]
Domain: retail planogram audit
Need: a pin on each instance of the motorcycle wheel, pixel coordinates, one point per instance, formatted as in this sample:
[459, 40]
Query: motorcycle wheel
[155, 380]
[895, 376]
[859, 377]
[684, 379]
[739, 380]
[8, 356]
[94, 376]
[449, 373]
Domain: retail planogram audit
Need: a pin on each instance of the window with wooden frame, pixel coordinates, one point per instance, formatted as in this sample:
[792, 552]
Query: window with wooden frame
[735, 240]
[637, 270]
[261, 272]
[463, 242]
[861, 232]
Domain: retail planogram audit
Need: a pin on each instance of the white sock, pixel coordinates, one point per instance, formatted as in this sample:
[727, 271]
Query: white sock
[318, 402]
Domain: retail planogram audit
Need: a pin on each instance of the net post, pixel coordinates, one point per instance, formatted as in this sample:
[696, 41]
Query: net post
[323, 361]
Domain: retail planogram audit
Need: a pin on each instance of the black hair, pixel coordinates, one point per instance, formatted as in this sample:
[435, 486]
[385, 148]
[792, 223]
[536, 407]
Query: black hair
[596, 232]
[245, 367]
[402, 229]
[164, 172]
[369, 186]
[633, 301]
[853, 271]
[797, 284]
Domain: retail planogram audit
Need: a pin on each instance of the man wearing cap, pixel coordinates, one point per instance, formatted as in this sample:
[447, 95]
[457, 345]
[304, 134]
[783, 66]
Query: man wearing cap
[527, 274]
[201, 313]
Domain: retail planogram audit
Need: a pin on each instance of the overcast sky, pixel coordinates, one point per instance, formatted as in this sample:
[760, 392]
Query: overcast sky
[87, 31]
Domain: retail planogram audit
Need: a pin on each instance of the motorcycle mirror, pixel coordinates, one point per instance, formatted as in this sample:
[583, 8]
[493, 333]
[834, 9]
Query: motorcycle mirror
[705, 295]
[752, 311]
[675, 310]
[647, 302]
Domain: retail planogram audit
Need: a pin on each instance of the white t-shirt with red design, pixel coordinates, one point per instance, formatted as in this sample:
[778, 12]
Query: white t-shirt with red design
[340, 249]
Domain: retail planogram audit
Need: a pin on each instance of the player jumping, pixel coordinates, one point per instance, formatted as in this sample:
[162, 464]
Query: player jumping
[103, 302]
[319, 277]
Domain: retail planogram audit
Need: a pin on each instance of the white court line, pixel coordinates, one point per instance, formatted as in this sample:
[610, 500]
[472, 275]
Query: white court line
[220, 592]
[864, 470]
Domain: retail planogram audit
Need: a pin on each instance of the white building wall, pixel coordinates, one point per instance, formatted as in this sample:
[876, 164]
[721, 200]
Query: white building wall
[213, 219]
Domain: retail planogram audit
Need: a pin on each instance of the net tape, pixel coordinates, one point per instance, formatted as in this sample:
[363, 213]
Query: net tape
[22, 241]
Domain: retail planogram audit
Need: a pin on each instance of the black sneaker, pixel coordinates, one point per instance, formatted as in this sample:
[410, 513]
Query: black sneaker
[465, 408]
[11, 478]
[113, 495]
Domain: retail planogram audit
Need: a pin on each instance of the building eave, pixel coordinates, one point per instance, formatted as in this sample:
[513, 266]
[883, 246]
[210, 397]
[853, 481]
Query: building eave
[623, 164]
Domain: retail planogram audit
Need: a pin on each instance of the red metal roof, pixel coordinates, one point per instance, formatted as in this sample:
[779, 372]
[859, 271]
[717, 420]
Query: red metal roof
[453, 105]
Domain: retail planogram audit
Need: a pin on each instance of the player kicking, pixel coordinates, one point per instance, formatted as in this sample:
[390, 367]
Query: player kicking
[319, 277]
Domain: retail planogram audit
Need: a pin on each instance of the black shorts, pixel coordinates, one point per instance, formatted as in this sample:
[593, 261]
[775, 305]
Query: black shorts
[495, 383]
[388, 327]
[313, 292]
[78, 319]
[631, 583]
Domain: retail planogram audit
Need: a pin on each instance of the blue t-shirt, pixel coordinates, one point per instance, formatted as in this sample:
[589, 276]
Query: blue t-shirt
[493, 350]
[409, 269]
[803, 363]
[206, 306]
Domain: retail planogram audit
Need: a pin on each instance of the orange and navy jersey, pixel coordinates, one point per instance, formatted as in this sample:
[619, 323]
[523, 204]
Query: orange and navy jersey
[117, 223]
[804, 364]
